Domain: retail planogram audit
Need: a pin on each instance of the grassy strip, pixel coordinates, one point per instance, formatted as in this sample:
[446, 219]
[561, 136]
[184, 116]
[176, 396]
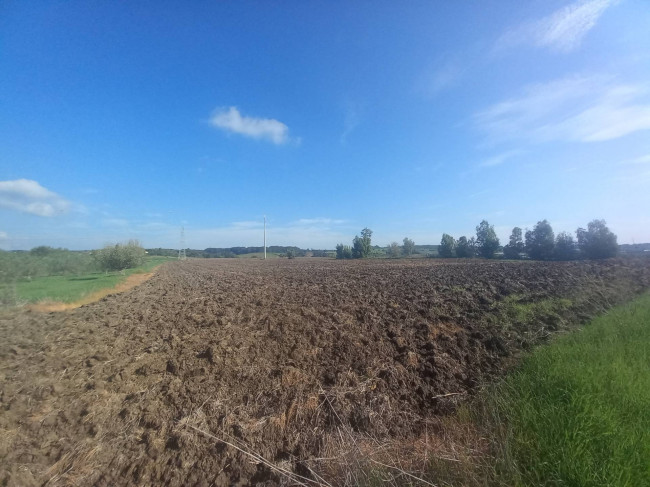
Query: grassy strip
[577, 412]
[67, 289]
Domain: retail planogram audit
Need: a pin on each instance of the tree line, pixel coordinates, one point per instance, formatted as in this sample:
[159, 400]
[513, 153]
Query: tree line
[362, 247]
[540, 243]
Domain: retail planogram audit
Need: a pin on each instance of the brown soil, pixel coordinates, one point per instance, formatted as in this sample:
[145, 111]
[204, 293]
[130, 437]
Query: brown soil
[129, 283]
[289, 361]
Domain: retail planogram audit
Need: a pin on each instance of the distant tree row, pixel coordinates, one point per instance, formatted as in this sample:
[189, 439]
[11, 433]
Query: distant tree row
[540, 243]
[231, 252]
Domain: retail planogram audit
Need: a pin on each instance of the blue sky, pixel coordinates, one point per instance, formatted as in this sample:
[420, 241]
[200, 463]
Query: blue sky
[132, 119]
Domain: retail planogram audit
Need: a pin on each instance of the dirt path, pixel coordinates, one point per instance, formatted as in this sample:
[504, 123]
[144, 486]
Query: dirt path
[130, 282]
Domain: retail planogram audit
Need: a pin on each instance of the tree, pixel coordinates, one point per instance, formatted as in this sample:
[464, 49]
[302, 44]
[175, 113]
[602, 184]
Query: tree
[565, 246]
[393, 250]
[540, 241]
[447, 246]
[361, 246]
[409, 247]
[343, 251]
[486, 240]
[516, 245]
[120, 256]
[597, 242]
[465, 248]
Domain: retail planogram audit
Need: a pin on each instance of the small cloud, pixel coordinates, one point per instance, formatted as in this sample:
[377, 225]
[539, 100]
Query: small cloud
[28, 196]
[479, 194]
[231, 120]
[500, 158]
[561, 31]
[351, 122]
[4, 236]
[443, 77]
[638, 160]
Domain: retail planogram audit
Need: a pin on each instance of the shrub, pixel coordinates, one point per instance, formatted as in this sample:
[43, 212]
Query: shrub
[393, 250]
[120, 256]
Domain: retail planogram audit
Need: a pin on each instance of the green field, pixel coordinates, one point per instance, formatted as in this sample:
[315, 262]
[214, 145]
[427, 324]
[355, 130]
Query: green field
[577, 412]
[67, 289]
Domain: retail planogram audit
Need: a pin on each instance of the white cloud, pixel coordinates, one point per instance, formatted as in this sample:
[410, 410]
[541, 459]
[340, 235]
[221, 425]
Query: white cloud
[4, 236]
[500, 158]
[443, 77]
[351, 122]
[562, 31]
[638, 160]
[231, 120]
[28, 196]
[572, 109]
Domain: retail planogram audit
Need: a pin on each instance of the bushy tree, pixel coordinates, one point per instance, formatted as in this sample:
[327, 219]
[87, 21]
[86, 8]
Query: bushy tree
[447, 246]
[540, 241]
[597, 242]
[393, 250]
[487, 241]
[120, 256]
[409, 247]
[43, 250]
[465, 248]
[516, 245]
[343, 251]
[361, 246]
[565, 246]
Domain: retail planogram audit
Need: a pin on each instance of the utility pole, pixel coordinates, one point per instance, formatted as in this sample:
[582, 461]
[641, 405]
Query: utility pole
[181, 250]
[264, 237]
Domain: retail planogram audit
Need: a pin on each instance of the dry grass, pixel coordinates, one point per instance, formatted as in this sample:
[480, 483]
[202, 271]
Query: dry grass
[130, 282]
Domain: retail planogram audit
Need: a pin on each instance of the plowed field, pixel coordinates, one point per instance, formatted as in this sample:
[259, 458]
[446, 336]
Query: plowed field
[286, 360]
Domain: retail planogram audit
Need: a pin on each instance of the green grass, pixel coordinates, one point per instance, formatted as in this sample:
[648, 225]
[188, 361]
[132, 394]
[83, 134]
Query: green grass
[577, 412]
[525, 312]
[72, 288]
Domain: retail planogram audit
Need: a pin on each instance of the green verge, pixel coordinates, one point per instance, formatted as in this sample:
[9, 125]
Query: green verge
[68, 289]
[576, 412]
